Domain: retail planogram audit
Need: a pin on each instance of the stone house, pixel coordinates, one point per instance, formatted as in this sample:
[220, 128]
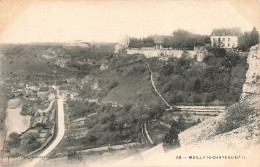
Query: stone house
[226, 37]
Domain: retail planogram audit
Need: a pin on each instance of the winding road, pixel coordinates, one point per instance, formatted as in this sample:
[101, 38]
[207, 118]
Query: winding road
[61, 131]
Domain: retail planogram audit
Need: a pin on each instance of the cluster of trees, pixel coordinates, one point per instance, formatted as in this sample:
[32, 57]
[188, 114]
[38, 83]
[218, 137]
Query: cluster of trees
[185, 40]
[113, 125]
[171, 139]
[79, 109]
[26, 108]
[141, 42]
[80, 53]
[182, 39]
[248, 39]
[183, 81]
[18, 145]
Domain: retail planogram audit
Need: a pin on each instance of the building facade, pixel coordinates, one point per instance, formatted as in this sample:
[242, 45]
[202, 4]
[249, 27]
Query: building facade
[225, 38]
[123, 43]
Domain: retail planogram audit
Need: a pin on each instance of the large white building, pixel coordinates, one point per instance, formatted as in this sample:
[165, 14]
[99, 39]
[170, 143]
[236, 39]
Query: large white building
[225, 37]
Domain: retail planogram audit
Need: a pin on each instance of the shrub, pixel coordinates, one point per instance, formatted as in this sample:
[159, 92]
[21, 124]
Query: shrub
[171, 139]
[113, 85]
[237, 116]
[218, 52]
[14, 140]
[30, 142]
[128, 107]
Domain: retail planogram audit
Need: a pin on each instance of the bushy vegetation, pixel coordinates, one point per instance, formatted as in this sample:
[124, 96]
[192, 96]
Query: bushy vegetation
[95, 53]
[144, 42]
[237, 116]
[182, 39]
[22, 146]
[112, 125]
[30, 142]
[27, 107]
[248, 39]
[171, 139]
[218, 79]
[79, 109]
[113, 85]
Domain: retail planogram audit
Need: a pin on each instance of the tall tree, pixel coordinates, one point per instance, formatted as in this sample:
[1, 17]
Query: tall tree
[254, 37]
[248, 39]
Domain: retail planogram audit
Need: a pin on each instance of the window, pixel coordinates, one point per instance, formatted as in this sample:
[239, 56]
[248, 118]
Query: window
[228, 44]
[223, 44]
[223, 39]
[214, 39]
[228, 39]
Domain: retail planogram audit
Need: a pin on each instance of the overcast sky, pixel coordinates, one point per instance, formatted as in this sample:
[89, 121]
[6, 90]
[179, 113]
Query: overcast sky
[105, 21]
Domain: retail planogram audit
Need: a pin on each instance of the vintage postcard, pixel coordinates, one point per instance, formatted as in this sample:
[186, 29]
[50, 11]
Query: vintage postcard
[129, 83]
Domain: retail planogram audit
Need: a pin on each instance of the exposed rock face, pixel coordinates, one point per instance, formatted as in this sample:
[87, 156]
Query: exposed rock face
[104, 65]
[252, 83]
[250, 95]
[203, 139]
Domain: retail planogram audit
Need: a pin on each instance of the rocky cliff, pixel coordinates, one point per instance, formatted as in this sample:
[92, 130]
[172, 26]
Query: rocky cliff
[251, 85]
[206, 140]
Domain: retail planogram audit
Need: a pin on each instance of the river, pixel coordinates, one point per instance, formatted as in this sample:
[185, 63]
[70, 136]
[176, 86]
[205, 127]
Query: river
[15, 122]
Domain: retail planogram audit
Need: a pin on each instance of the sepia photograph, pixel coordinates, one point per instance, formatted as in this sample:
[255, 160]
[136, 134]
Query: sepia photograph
[128, 83]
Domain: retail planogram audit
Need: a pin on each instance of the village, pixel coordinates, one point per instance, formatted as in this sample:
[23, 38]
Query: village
[99, 82]
[39, 103]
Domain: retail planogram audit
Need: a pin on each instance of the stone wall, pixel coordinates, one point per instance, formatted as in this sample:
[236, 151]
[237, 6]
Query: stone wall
[164, 53]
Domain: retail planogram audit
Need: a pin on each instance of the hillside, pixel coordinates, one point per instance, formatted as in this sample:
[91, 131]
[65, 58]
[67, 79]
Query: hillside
[111, 99]
[233, 133]
[127, 81]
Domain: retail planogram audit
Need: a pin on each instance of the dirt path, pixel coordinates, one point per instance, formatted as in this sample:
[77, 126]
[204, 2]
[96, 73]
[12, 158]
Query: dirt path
[146, 134]
[143, 133]
[165, 124]
[152, 81]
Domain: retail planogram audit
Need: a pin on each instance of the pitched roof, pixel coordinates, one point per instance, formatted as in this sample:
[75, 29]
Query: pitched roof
[226, 32]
